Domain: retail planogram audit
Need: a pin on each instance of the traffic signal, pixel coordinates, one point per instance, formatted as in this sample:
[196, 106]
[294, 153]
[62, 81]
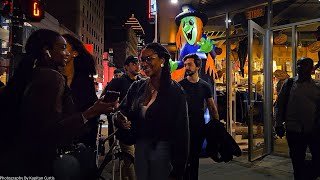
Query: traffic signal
[33, 9]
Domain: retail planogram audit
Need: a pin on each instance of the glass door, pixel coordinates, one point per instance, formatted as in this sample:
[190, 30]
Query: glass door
[256, 87]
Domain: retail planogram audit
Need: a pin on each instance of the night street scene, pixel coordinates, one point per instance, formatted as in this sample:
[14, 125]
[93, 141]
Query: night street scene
[159, 89]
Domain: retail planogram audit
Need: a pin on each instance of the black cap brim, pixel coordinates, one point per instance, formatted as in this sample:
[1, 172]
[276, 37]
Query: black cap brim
[131, 59]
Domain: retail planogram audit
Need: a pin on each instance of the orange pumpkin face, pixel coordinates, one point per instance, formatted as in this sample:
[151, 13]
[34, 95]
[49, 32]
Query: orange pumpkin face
[280, 39]
[314, 47]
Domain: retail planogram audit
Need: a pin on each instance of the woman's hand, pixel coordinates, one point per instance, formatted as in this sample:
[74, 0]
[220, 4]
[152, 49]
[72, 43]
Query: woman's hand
[105, 107]
[122, 121]
[100, 107]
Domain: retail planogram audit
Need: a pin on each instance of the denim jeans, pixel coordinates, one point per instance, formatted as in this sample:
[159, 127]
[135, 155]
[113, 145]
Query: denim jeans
[152, 160]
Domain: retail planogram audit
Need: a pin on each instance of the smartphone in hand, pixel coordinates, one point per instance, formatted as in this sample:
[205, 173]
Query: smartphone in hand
[111, 96]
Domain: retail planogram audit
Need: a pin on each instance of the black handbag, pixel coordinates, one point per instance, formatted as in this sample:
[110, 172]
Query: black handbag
[78, 162]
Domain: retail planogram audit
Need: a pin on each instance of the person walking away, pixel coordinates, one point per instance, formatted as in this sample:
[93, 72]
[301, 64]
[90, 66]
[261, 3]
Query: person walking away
[198, 93]
[298, 106]
[122, 84]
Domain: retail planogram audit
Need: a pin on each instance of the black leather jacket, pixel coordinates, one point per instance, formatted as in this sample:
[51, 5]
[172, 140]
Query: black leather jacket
[166, 120]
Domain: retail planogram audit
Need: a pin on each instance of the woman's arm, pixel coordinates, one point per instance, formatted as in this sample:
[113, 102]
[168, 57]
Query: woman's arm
[51, 109]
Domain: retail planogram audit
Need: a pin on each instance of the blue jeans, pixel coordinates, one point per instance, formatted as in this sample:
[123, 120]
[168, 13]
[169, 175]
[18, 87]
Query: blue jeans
[152, 160]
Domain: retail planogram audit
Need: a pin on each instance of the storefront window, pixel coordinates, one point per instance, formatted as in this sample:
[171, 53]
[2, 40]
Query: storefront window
[282, 69]
[239, 80]
[4, 48]
[216, 27]
[308, 41]
[239, 20]
[308, 37]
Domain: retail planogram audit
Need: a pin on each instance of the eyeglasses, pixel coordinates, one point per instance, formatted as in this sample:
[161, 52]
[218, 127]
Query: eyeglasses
[147, 59]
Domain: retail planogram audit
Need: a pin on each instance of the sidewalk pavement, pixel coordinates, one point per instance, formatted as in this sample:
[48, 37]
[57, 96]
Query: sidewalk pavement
[270, 167]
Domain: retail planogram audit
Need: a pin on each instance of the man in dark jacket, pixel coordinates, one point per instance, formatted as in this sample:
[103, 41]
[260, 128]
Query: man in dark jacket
[298, 107]
[122, 84]
[198, 93]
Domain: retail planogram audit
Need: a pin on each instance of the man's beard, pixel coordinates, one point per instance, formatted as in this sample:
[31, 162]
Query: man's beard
[190, 73]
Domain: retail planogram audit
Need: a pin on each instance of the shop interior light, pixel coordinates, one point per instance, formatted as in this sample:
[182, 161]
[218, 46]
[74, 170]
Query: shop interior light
[174, 1]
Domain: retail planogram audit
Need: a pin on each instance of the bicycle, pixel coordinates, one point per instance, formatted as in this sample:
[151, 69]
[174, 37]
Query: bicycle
[114, 154]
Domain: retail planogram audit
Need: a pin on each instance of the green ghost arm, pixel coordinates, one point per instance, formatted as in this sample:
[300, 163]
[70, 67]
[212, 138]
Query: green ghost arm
[206, 45]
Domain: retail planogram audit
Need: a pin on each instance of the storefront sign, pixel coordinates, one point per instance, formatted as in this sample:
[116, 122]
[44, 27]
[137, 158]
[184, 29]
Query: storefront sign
[255, 13]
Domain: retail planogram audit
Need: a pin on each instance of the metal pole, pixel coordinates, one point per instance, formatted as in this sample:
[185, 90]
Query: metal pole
[250, 96]
[294, 50]
[156, 23]
[16, 37]
[156, 27]
[229, 78]
[268, 91]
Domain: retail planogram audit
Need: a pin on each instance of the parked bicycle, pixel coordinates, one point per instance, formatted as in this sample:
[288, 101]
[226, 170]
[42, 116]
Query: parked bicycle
[114, 155]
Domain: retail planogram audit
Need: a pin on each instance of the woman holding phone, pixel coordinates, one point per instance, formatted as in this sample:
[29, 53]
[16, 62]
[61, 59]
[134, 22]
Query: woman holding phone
[157, 110]
[40, 106]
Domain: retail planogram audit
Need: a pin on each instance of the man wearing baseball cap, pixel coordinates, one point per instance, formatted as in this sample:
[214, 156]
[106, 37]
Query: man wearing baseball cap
[122, 84]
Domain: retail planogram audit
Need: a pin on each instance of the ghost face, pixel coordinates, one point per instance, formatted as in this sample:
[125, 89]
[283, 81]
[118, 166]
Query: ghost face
[189, 29]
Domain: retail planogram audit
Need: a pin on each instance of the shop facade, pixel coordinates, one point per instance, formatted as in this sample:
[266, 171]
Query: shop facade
[4, 48]
[256, 48]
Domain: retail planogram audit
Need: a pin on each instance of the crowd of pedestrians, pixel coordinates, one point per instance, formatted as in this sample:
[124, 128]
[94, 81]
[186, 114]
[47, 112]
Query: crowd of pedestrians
[51, 102]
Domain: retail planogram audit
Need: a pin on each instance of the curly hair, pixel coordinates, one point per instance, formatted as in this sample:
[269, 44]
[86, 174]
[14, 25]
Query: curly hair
[84, 62]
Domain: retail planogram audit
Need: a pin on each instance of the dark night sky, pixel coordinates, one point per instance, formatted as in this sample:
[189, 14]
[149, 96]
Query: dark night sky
[121, 10]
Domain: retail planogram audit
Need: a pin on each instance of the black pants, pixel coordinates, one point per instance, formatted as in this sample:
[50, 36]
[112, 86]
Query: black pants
[298, 143]
[193, 160]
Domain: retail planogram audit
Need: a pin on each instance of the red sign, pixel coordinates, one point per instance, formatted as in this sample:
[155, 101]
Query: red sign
[254, 13]
[89, 47]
